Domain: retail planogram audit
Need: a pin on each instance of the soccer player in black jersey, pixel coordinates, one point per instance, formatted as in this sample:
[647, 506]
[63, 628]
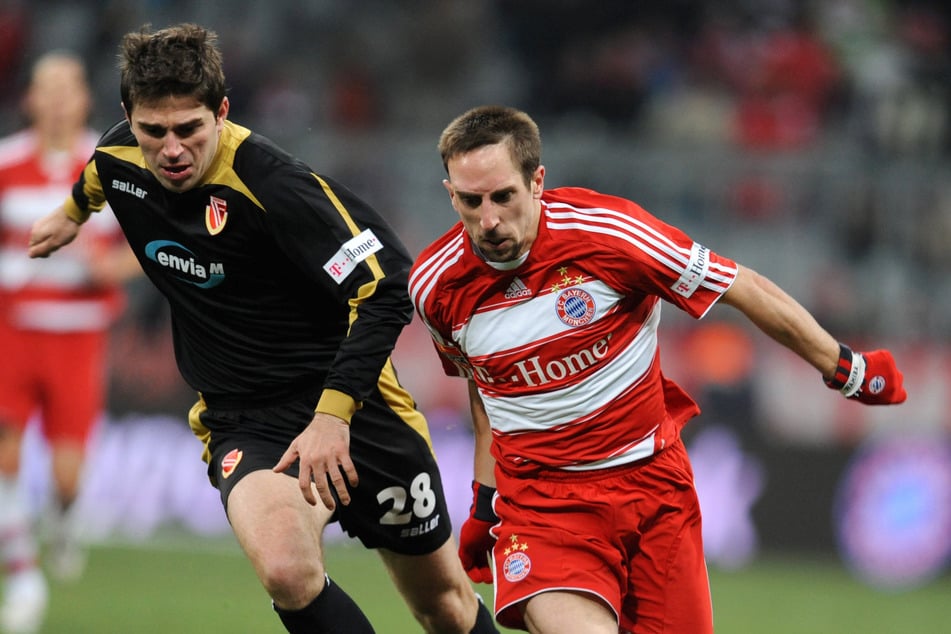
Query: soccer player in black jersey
[287, 295]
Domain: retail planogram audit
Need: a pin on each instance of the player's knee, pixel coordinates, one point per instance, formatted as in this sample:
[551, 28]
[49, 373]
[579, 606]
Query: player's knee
[10, 441]
[291, 582]
[448, 612]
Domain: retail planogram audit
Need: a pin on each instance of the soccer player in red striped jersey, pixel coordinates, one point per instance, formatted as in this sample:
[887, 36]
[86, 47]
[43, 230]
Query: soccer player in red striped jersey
[549, 303]
[50, 311]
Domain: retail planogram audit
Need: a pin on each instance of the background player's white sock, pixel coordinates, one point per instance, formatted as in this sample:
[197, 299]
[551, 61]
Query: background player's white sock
[25, 593]
[66, 550]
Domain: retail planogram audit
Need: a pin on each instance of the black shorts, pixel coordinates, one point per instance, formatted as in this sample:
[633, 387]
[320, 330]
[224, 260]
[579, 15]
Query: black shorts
[399, 503]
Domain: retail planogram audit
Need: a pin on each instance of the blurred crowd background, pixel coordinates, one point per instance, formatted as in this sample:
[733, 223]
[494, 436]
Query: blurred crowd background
[810, 140]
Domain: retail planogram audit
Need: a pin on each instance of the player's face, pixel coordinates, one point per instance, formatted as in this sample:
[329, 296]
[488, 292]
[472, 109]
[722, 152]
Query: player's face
[58, 99]
[498, 208]
[178, 137]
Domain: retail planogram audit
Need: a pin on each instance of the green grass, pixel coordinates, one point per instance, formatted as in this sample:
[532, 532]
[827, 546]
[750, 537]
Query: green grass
[208, 587]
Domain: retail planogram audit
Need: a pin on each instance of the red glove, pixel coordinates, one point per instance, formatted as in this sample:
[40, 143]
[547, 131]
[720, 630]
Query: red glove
[475, 540]
[868, 377]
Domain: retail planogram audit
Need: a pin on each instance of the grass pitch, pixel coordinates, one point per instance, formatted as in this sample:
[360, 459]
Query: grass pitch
[206, 586]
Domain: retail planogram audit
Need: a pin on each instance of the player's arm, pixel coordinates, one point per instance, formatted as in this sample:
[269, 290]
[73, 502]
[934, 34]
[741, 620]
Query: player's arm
[483, 462]
[345, 245]
[475, 538]
[112, 264]
[360, 262]
[61, 226]
[52, 231]
[781, 317]
[870, 377]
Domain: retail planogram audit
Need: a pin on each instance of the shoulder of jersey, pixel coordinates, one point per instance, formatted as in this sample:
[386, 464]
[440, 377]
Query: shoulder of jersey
[118, 134]
[16, 147]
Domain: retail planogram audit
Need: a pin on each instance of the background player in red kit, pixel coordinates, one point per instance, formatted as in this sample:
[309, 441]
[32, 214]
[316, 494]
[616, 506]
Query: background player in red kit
[54, 320]
[549, 303]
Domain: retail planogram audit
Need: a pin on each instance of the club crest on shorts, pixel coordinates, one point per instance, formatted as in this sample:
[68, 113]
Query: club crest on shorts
[230, 462]
[216, 215]
[517, 564]
[575, 307]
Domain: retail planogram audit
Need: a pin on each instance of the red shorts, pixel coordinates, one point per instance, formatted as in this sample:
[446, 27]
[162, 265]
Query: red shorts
[61, 376]
[630, 536]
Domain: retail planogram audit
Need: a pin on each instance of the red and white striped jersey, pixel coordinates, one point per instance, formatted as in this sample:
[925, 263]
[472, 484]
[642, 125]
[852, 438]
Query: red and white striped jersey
[564, 346]
[52, 294]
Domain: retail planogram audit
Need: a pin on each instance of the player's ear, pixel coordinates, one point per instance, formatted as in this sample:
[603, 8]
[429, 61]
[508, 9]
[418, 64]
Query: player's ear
[538, 182]
[223, 109]
[448, 186]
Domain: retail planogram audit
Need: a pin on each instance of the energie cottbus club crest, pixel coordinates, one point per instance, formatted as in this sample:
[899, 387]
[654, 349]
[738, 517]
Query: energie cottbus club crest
[216, 215]
[230, 462]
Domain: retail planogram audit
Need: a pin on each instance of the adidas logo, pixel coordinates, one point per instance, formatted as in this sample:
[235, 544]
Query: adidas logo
[517, 289]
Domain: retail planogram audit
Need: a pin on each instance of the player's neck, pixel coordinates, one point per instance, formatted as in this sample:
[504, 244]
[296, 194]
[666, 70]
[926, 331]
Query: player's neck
[56, 141]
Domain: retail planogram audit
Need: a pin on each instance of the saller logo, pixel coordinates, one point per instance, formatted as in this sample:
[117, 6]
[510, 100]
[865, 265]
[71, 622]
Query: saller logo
[353, 251]
[129, 188]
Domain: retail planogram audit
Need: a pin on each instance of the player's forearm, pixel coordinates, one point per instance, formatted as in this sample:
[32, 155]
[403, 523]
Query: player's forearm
[378, 315]
[483, 462]
[113, 266]
[783, 319]
[51, 232]
[74, 212]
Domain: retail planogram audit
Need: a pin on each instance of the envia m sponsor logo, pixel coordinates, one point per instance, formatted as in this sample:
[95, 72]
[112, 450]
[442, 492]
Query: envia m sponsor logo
[184, 265]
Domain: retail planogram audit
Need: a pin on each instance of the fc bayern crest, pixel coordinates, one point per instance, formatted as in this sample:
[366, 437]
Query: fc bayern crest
[575, 307]
[516, 566]
[216, 215]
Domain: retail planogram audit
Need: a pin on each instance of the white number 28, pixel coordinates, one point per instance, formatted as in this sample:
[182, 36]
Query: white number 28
[424, 501]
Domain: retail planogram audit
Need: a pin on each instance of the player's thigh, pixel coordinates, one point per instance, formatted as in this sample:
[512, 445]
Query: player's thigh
[11, 440]
[568, 613]
[18, 387]
[74, 392]
[400, 504]
[275, 526]
[668, 587]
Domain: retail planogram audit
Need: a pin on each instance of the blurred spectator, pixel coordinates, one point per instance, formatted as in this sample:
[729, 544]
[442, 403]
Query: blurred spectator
[913, 116]
[12, 35]
[789, 82]
[603, 63]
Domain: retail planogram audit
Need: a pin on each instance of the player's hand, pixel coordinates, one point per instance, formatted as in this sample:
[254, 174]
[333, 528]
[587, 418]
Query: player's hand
[324, 452]
[51, 232]
[475, 538]
[872, 377]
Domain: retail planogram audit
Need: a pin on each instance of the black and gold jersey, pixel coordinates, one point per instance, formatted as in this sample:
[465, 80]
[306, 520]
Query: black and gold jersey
[280, 280]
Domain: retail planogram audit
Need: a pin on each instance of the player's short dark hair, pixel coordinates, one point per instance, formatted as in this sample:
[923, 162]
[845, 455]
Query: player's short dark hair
[488, 125]
[181, 60]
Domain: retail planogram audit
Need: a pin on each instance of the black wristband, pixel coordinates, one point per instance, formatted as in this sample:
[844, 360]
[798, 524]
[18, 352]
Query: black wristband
[843, 368]
[483, 503]
[849, 372]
